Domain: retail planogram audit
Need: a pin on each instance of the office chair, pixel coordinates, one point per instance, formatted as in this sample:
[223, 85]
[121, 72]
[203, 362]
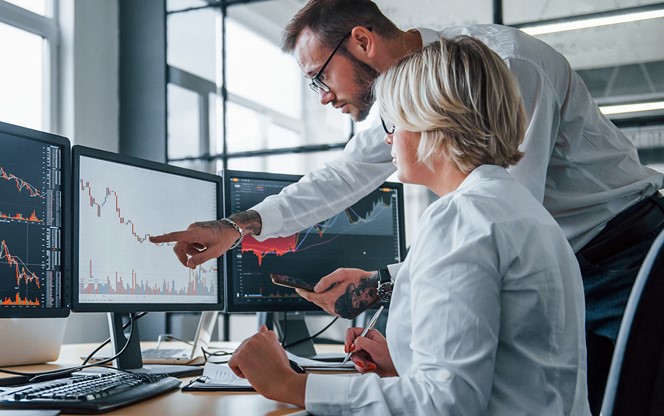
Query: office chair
[636, 379]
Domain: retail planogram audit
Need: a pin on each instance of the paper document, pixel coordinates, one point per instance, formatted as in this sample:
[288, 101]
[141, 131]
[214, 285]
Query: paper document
[218, 377]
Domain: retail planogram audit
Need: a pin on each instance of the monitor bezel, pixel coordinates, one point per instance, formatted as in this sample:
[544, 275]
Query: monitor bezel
[65, 233]
[79, 151]
[229, 302]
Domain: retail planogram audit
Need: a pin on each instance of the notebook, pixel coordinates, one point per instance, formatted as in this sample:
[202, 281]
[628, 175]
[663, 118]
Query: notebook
[189, 355]
[30, 340]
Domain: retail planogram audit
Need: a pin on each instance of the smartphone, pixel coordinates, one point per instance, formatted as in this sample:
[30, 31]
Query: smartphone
[292, 282]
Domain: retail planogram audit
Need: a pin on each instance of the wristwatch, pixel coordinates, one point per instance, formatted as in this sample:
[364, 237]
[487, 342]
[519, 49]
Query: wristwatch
[385, 285]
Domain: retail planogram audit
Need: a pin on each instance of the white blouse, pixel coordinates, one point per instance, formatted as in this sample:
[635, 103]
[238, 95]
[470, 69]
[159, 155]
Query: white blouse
[486, 316]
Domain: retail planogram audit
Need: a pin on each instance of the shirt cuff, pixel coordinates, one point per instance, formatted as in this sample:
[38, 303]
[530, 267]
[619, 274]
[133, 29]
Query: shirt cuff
[394, 270]
[327, 394]
[271, 219]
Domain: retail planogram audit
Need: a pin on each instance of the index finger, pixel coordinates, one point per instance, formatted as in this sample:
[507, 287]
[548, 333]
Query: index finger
[169, 237]
[232, 364]
[326, 283]
[351, 334]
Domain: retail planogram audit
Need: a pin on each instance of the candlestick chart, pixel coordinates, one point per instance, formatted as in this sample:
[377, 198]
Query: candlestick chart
[120, 207]
[30, 221]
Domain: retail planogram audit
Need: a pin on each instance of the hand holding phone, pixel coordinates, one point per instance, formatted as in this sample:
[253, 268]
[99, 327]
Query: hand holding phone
[292, 282]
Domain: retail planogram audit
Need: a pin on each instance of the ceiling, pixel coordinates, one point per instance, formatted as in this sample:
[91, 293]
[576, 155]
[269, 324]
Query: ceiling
[590, 48]
[620, 63]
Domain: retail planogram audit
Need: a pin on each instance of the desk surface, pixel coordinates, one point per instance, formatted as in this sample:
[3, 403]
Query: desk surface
[184, 403]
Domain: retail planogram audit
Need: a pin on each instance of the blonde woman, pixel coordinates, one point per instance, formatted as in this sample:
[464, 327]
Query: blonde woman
[487, 313]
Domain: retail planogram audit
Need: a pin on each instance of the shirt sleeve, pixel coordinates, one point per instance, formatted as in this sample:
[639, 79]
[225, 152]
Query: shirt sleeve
[454, 298]
[455, 308]
[363, 166]
[543, 115]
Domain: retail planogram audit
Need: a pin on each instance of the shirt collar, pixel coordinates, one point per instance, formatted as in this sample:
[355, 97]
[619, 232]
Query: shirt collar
[483, 172]
[428, 35]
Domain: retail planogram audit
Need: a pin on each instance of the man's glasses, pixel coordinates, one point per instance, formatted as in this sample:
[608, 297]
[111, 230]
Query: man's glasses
[388, 127]
[316, 84]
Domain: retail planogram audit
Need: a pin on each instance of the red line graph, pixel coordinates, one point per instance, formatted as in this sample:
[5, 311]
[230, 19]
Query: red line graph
[21, 270]
[18, 301]
[21, 184]
[278, 246]
[19, 217]
[359, 213]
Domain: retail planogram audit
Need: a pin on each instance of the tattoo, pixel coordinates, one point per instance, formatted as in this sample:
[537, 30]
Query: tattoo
[356, 299]
[250, 221]
[210, 224]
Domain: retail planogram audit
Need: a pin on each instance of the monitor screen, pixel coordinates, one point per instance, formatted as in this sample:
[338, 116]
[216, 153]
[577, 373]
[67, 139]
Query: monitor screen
[368, 235]
[34, 223]
[119, 202]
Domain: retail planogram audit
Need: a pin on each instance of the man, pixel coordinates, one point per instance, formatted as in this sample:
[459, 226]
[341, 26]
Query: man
[577, 163]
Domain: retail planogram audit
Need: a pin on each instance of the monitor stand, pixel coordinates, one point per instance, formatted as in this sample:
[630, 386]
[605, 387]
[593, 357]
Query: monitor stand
[291, 327]
[131, 359]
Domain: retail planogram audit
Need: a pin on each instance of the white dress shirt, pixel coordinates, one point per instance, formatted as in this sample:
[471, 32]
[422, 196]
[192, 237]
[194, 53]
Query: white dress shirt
[577, 163]
[486, 316]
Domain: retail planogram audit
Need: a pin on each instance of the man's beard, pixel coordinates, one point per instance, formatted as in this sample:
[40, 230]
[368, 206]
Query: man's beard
[365, 76]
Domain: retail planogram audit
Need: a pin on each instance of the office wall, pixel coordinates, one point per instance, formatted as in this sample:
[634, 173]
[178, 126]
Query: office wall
[89, 102]
[89, 68]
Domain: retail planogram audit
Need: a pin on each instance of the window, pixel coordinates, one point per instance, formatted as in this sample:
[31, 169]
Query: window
[183, 123]
[36, 6]
[268, 112]
[28, 74]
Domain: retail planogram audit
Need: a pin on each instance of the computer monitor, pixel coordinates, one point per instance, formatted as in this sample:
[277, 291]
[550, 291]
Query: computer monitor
[34, 223]
[368, 235]
[119, 202]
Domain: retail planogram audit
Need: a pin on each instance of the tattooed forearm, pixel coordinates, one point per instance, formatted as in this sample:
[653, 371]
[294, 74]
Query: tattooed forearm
[356, 299]
[250, 221]
[210, 224]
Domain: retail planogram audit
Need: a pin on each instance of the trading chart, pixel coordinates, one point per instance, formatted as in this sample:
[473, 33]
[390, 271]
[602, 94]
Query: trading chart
[361, 236]
[30, 221]
[120, 207]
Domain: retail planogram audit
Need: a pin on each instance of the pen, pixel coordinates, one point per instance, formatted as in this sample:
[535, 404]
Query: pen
[372, 322]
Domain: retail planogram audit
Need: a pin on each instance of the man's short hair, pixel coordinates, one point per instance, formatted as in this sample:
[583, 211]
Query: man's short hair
[460, 95]
[331, 20]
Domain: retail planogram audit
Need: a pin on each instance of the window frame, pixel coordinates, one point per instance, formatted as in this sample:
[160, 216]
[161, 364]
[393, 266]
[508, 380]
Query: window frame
[202, 87]
[47, 28]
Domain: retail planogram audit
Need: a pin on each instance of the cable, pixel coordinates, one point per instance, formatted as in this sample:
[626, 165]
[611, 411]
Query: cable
[310, 337]
[132, 322]
[103, 344]
[32, 377]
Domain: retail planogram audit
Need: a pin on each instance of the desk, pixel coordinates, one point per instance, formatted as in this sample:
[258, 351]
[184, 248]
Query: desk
[178, 403]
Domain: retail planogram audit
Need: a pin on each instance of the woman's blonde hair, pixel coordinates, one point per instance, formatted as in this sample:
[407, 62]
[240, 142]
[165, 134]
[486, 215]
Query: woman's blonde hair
[460, 95]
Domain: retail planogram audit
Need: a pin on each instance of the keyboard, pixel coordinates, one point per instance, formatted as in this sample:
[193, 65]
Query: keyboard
[87, 393]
